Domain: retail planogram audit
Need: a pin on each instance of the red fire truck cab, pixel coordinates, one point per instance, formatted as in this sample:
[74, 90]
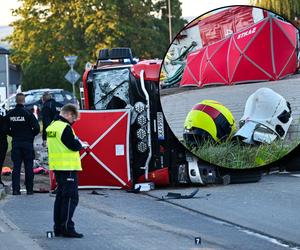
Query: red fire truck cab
[119, 83]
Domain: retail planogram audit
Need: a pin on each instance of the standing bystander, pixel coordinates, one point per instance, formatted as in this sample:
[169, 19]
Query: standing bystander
[22, 126]
[49, 112]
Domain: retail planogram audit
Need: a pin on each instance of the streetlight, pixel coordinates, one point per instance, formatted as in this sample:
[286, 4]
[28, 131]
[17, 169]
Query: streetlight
[6, 53]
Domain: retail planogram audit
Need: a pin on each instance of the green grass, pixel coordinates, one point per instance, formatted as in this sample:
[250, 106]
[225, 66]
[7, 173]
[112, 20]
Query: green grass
[240, 156]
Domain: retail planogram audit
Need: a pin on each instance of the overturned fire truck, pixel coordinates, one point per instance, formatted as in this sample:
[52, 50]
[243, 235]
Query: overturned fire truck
[130, 141]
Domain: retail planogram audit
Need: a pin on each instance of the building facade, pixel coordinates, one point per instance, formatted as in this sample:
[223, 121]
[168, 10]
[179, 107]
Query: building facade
[10, 75]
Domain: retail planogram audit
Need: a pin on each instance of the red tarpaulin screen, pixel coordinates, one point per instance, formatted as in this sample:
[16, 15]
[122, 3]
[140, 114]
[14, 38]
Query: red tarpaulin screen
[191, 75]
[214, 70]
[262, 52]
[106, 163]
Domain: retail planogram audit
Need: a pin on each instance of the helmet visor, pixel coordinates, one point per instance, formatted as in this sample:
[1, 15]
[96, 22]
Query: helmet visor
[252, 132]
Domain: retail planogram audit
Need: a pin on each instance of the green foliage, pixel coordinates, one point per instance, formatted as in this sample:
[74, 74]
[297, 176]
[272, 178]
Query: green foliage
[47, 30]
[286, 8]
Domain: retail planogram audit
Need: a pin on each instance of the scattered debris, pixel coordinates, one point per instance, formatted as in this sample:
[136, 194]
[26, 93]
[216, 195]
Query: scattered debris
[6, 171]
[171, 195]
[94, 192]
[144, 187]
[41, 190]
[134, 190]
[40, 170]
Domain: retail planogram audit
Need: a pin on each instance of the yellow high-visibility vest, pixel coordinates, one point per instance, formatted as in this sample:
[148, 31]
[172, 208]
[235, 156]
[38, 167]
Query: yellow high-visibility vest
[60, 157]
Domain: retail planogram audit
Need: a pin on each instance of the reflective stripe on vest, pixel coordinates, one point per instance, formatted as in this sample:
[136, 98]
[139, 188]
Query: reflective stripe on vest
[60, 157]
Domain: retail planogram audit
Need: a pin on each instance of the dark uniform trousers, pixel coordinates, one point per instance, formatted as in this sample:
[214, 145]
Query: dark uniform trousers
[3, 149]
[22, 152]
[66, 200]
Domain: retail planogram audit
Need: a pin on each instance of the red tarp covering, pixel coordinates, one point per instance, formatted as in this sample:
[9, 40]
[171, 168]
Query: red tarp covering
[212, 68]
[191, 71]
[262, 52]
[106, 163]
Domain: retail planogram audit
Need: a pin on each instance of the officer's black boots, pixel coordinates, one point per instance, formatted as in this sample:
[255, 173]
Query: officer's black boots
[57, 232]
[19, 193]
[71, 234]
[67, 234]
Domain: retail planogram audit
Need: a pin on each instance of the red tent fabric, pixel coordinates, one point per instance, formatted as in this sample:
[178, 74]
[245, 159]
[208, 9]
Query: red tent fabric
[262, 52]
[192, 69]
[251, 54]
[213, 70]
[284, 36]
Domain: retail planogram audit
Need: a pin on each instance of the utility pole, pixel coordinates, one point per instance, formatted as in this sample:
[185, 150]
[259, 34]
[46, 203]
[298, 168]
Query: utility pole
[170, 21]
[7, 75]
[73, 81]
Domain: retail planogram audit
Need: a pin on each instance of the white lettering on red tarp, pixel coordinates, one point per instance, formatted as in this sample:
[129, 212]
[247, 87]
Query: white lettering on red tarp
[246, 33]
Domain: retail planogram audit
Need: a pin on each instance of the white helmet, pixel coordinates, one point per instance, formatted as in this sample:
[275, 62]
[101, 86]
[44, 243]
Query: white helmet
[267, 116]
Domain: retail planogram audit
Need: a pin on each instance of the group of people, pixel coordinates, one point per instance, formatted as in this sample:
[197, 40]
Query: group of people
[63, 154]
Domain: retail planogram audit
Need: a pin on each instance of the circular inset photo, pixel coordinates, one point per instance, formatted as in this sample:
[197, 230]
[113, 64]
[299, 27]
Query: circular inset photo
[230, 87]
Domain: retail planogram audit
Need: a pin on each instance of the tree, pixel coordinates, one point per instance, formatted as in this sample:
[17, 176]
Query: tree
[49, 29]
[289, 9]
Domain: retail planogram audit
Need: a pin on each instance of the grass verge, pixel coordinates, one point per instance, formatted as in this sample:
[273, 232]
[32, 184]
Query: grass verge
[241, 156]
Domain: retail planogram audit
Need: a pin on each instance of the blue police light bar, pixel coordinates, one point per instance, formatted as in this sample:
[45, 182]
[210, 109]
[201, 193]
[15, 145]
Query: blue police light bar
[103, 54]
[120, 53]
[123, 55]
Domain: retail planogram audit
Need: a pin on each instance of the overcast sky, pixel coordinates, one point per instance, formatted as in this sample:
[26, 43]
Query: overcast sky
[190, 8]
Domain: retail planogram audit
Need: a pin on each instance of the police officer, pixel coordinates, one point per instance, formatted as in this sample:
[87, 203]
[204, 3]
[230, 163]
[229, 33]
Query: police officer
[64, 159]
[22, 127]
[50, 111]
[3, 141]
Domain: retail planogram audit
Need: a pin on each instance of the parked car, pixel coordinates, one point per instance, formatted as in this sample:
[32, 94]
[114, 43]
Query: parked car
[33, 97]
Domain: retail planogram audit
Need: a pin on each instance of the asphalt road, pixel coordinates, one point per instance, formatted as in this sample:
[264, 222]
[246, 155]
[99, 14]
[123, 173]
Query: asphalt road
[262, 215]
[177, 105]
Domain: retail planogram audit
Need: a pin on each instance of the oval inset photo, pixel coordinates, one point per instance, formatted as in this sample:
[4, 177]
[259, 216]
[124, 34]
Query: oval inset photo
[230, 87]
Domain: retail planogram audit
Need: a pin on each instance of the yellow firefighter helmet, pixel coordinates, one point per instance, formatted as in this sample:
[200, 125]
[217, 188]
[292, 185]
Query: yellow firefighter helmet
[208, 120]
